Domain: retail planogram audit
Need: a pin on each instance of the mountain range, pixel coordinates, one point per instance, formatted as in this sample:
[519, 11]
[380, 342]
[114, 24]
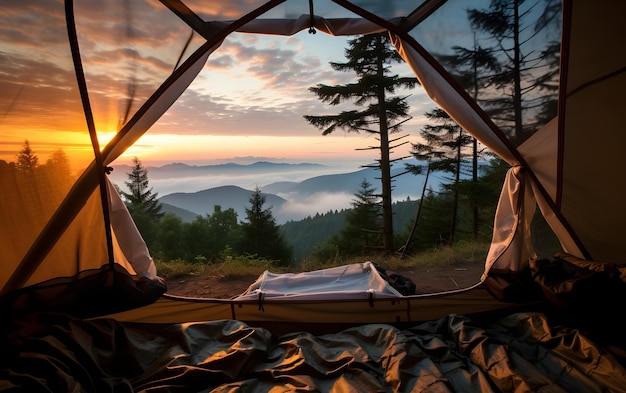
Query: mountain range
[289, 200]
[179, 170]
[203, 202]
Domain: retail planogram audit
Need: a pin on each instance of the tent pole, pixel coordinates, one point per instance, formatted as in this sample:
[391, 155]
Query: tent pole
[84, 94]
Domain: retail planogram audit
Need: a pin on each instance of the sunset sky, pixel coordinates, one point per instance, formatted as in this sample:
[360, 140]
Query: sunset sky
[248, 101]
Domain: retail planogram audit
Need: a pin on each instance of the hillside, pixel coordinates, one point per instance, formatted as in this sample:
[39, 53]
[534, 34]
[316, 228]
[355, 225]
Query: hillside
[203, 202]
[184, 214]
[303, 235]
[179, 170]
[289, 200]
[404, 185]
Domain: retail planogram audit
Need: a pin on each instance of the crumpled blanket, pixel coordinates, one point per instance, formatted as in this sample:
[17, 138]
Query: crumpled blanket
[518, 353]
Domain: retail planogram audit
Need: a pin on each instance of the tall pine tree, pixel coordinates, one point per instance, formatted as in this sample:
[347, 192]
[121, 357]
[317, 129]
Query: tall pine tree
[525, 88]
[445, 150]
[370, 57]
[472, 68]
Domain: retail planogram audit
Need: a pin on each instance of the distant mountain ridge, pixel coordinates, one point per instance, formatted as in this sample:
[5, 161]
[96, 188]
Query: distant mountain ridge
[403, 185]
[178, 169]
[231, 184]
[203, 202]
[290, 200]
[185, 215]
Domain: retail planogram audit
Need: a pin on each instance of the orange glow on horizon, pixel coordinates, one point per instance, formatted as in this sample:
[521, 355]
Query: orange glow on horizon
[192, 148]
[197, 148]
[76, 146]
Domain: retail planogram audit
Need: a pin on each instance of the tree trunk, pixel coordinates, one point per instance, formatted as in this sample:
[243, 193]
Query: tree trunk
[409, 238]
[385, 165]
[517, 74]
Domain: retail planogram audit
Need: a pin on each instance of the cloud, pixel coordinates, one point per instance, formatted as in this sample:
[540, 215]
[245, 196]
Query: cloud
[166, 183]
[298, 207]
[222, 62]
[260, 89]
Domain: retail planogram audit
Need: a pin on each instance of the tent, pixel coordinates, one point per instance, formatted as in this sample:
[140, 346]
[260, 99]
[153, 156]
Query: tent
[77, 275]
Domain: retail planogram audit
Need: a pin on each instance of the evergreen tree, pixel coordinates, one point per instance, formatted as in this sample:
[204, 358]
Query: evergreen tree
[261, 235]
[56, 173]
[362, 229]
[445, 150]
[141, 197]
[434, 227]
[58, 164]
[142, 202]
[526, 87]
[369, 57]
[472, 68]
[307, 234]
[27, 161]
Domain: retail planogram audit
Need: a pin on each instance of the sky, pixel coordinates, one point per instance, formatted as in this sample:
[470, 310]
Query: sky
[248, 100]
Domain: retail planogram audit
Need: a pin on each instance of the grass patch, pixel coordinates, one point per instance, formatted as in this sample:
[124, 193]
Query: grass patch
[179, 268]
[461, 253]
[229, 267]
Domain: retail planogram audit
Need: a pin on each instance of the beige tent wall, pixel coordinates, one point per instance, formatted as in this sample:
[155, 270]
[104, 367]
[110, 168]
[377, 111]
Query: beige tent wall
[593, 129]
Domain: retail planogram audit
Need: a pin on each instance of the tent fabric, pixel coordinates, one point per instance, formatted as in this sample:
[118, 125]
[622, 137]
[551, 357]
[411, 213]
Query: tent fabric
[591, 129]
[128, 239]
[511, 245]
[90, 294]
[520, 352]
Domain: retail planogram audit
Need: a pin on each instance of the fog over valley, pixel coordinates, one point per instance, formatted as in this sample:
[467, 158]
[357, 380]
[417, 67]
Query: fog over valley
[294, 191]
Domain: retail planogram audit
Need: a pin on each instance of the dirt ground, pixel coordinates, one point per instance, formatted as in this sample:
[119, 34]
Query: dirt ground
[427, 279]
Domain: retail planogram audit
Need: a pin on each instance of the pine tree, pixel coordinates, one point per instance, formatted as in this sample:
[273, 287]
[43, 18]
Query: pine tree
[141, 197]
[369, 57]
[55, 175]
[224, 229]
[58, 163]
[197, 240]
[362, 229]
[206, 237]
[142, 202]
[525, 88]
[260, 234]
[27, 161]
[472, 69]
[445, 150]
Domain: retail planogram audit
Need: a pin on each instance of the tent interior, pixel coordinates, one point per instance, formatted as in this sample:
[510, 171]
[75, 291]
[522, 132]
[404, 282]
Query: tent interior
[84, 309]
